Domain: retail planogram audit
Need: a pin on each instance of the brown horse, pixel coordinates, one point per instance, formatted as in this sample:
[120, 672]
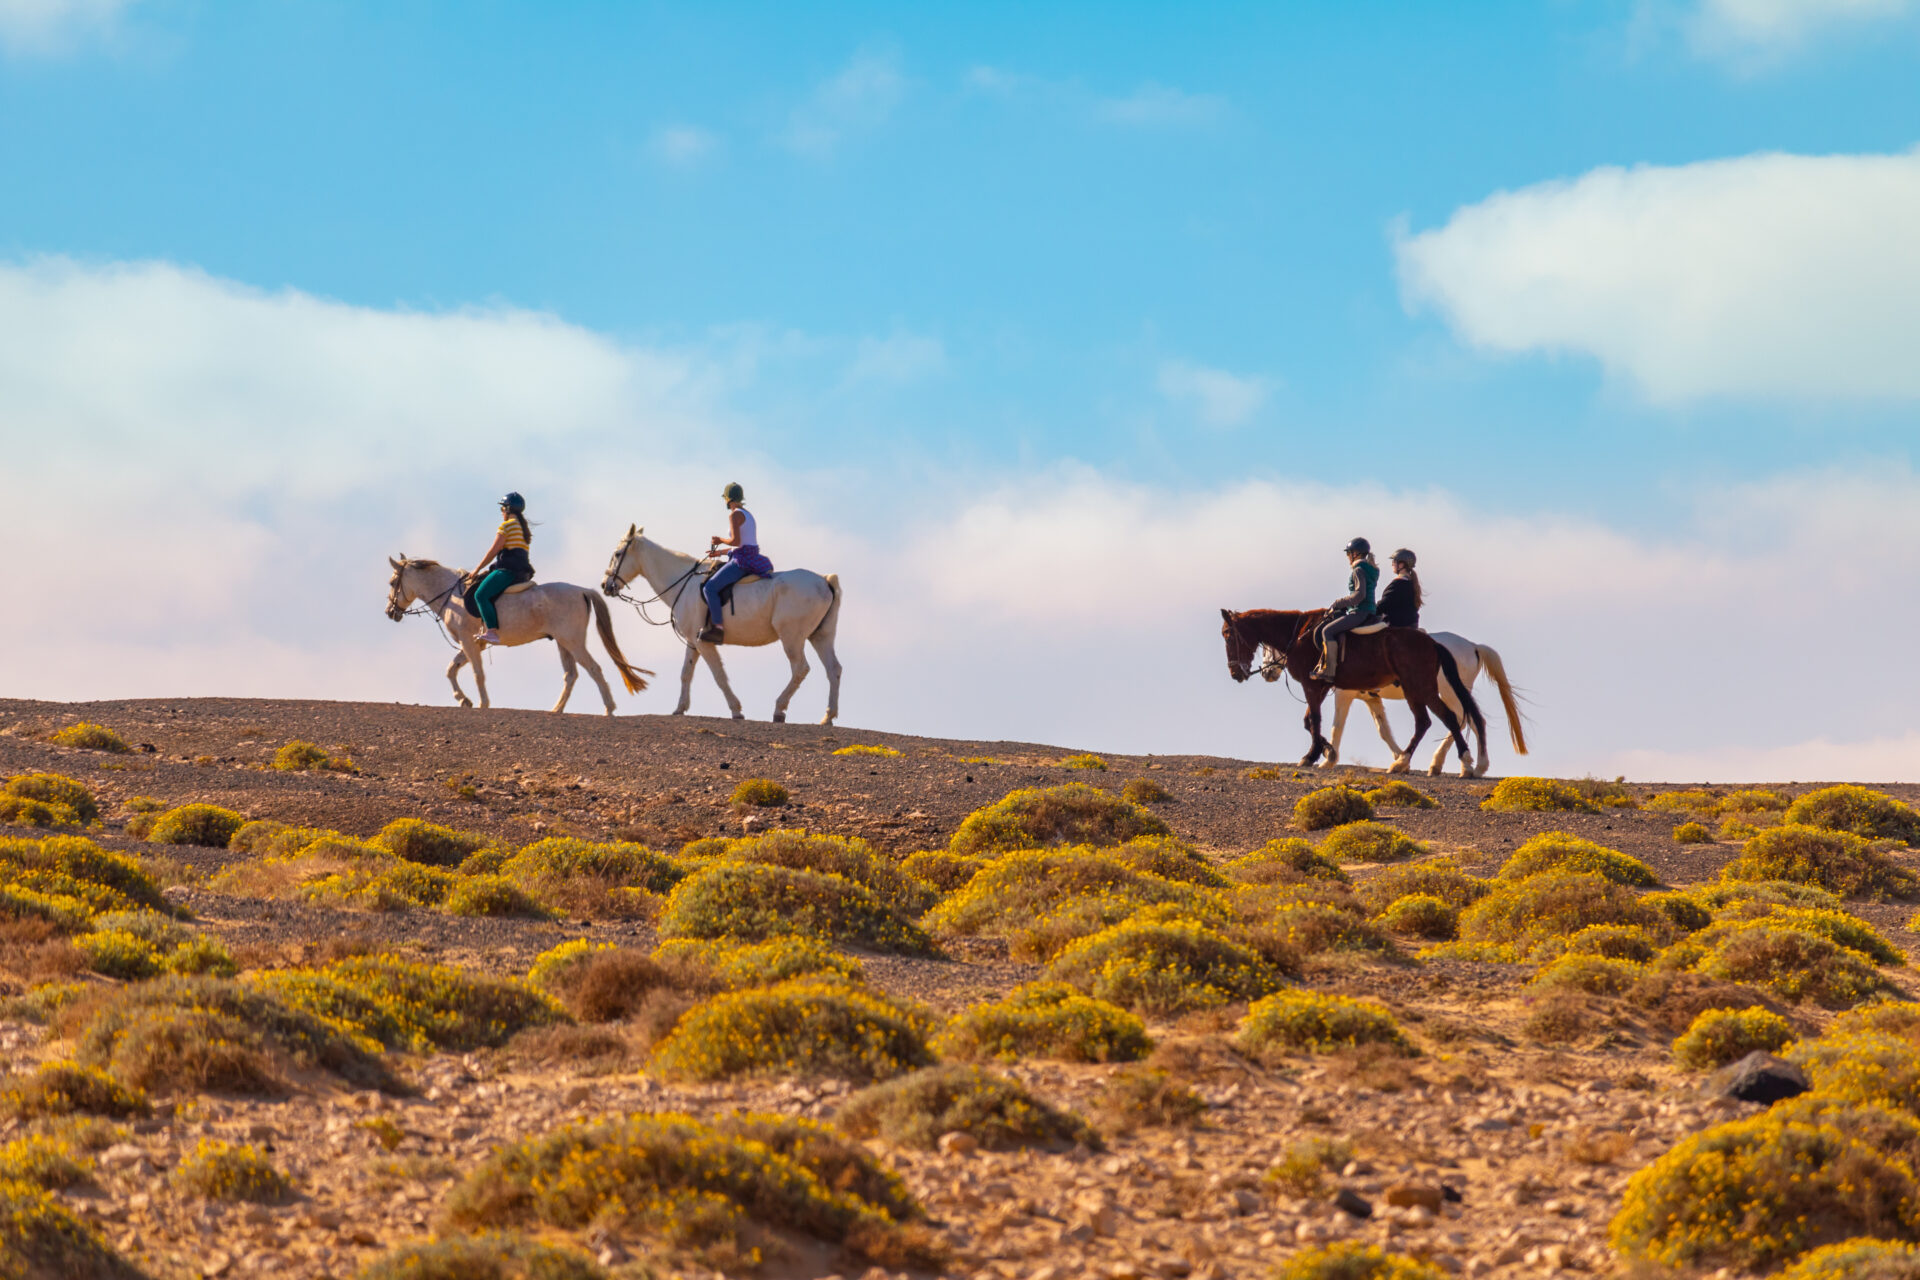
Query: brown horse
[1399, 655]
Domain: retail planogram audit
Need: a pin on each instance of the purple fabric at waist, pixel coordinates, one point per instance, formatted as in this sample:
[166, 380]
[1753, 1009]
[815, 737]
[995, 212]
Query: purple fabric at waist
[750, 559]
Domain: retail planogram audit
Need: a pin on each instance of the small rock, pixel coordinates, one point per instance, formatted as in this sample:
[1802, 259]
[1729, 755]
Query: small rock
[579, 1095]
[1246, 1201]
[1352, 1202]
[1554, 1257]
[1408, 1195]
[216, 1263]
[1759, 1077]
[121, 1153]
[1174, 1268]
[958, 1143]
[1492, 1124]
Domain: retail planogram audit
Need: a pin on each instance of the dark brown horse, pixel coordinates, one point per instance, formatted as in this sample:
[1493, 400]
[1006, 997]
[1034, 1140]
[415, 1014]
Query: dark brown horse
[1399, 655]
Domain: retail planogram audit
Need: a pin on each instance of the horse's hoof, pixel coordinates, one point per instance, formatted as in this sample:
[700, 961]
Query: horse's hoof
[679, 711]
[826, 719]
[1400, 766]
[779, 717]
[739, 715]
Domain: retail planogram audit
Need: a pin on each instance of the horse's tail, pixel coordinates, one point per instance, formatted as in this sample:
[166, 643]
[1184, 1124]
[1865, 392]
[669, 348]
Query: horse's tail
[1490, 662]
[830, 620]
[1468, 707]
[633, 677]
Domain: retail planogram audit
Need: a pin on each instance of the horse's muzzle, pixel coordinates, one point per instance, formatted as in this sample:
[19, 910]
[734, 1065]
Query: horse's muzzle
[1238, 672]
[610, 588]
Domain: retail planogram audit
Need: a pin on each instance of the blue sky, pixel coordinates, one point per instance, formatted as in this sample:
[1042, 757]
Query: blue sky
[930, 251]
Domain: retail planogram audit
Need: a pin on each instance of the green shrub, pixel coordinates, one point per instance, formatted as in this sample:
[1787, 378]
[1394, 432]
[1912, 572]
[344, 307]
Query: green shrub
[1731, 893]
[205, 1033]
[1163, 968]
[851, 859]
[36, 813]
[761, 964]
[762, 793]
[1614, 942]
[45, 1241]
[1864, 1067]
[1046, 1020]
[1530, 913]
[1873, 815]
[1035, 818]
[914, 1110]
[490, 896]
[584, 876]
[1861, 1258]
[1799, 964]
[1331, 807]
[75, 868]
[807, 1028]
[1084, 761]
[91, 737]
[1755, 1193]
[1683, 911]
[119, 955]
[64, 1088]
[67, 798]
[1692, 833]
[1044, 899]
[1537, 795]
[1285, 861]
[1144, 791]
[305, 757]
[1369, 842]
[205, 825]
[1836, 861]
[1441, 878]
[1353, 1261]
[1561, 851]
[551, 966]
[940, 870]
[419, 841]
[216, 1170]
[1140, 1097]
[1296, 1021]
[754, 902]
[1595, 975]
[1720, 1036]
[710, 1187]
[1421, 915]
[485, 1257]
[1400, 793]
[419, 1007]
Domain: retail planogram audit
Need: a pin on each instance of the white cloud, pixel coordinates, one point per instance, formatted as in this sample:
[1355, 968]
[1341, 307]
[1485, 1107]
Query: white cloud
[211, 477]
[899, 358]
[1765, 276]
[682, 144]
[1149, 105]
[57, 26]
[1895, 758]
[1218, 398]
[1750, 30]
[858, 99]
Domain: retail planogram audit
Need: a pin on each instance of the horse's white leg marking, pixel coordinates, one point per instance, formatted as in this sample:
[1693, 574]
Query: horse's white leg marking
[711, 652]
[592, 665]
[686, 681]
[1342, 703]
[571, 672]
[1381, 723]
[796, 649]
[824, 647]
[453, 678]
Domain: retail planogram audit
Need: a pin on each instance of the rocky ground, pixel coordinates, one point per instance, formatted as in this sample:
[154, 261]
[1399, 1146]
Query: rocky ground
[1493, 1153]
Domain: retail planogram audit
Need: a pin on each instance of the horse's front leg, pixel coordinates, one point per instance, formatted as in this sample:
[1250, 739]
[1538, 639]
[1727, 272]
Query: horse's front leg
[686, 680]
[711, 652]
[1315, 696]
[453, 678]
[570, 673]
[1420, 722]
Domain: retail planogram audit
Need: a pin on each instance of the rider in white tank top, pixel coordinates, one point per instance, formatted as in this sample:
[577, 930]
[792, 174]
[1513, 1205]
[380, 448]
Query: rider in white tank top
[749, 531]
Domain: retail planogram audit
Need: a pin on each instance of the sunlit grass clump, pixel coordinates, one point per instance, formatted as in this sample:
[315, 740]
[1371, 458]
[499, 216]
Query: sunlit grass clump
[1401, 794]
[1369, 842]
[754, 902]
[760, 793]
[206, 825]
[1163, 968]
[915, 1110]
[1562, 851]
[1331, 807]
[1872, 815]
[47, 800]
[1085, 760]
[87, 736]
[1350, 1260]
[811, 1027]
[299, 756]
[1538, 795]
[1720, 1036]
[216, 1170]
[1838, 861]
[1296, 1021]
[1046, 1020]
[1035, 818]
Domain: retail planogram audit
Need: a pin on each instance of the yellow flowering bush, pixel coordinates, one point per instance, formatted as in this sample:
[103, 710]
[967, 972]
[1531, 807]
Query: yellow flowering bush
[44, 1162]
[1036, 891]
[483, 1257]
[941, 870]
[71, 867]
[868, 749]
[1441, 878]
[914, 1110]
[485, 895]
[809, 1027]
[1297, 1021]
[1796, 962]
[1683, 911]
[1350, 1260]
[1544, 909]
[1537, 795]
[1863, 1066]
[1369, 842]
[69, 801]
[304, 757]
[755, 901]
[1084, 760]
[66, 1088]
[216, 1170]
[1837, 861]
[1692, 833]
[1285, 861]
[206, 825]
[1401, 794]
[849, 858]
[1331, 807]
[1163, 968]
[1145, 791]
[1872, 814]
[1595, 975]
[1755, 1193]
[417, 840]
[44, 1238]
[548, 867]
[1037, 818]
[1862, 1258]
[760, 964]
[1719, 1036]
[1421, 915]
[87, 736]
[1046, 1020]
[1562, 851]
[420, 1006]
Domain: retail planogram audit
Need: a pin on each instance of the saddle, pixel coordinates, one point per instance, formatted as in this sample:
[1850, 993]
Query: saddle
[726, 592]
[473, 610]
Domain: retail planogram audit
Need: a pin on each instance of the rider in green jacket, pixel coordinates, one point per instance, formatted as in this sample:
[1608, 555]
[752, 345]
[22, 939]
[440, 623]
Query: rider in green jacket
[1355, 609]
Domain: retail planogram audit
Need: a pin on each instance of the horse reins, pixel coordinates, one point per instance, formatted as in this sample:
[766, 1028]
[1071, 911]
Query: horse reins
[659, 597]
[430, 607]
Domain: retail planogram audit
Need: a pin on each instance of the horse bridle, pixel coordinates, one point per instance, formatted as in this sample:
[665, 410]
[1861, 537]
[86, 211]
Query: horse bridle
[659, 597]
[423, 606]
[1276, 663]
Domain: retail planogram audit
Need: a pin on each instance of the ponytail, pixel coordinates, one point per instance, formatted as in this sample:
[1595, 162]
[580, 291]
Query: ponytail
[1418, 598]
[524, 531]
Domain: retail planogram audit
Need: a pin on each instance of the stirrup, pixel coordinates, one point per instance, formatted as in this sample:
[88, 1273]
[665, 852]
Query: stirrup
[711, 634]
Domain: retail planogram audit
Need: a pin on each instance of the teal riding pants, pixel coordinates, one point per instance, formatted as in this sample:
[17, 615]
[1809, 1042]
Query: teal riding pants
[487, 593]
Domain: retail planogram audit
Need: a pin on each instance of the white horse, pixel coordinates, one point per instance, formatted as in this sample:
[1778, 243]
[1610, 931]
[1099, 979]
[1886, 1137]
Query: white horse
[796, 607]
[556, 611]
[1472, 659]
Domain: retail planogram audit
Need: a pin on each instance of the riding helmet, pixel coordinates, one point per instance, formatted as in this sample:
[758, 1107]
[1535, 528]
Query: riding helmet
[734, 493]
[514, 503]
[1404, 556]
[1360, 545]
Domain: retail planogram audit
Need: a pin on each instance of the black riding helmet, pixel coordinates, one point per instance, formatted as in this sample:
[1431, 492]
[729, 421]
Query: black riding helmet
[514, 502]
[1404, 556]
[1360, 545]
[734, 493]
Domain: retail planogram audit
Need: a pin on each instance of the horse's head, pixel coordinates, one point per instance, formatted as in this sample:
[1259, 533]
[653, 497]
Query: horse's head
[398, 596]
[618, 573]
[1240, 649]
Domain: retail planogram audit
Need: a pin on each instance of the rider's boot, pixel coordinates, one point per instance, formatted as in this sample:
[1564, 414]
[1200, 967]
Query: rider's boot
[489, 636]
[713, 635]
[1329, 661]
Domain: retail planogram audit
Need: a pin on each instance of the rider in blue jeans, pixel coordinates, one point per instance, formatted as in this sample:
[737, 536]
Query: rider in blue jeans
[743, 536]
[1355, 609]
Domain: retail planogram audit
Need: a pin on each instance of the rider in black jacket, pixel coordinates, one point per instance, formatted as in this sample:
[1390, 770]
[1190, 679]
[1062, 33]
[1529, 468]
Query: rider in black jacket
[1400, 601]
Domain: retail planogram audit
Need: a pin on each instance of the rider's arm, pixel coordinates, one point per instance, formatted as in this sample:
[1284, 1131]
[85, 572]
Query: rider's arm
[732, 539]
[499, 545]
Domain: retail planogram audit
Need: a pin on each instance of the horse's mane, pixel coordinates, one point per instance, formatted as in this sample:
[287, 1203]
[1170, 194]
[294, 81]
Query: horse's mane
[423, 564]
[1278, 627]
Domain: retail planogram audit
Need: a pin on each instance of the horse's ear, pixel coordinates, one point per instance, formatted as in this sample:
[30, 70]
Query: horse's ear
[1226, 615]
[632, 529]
[400, 563]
